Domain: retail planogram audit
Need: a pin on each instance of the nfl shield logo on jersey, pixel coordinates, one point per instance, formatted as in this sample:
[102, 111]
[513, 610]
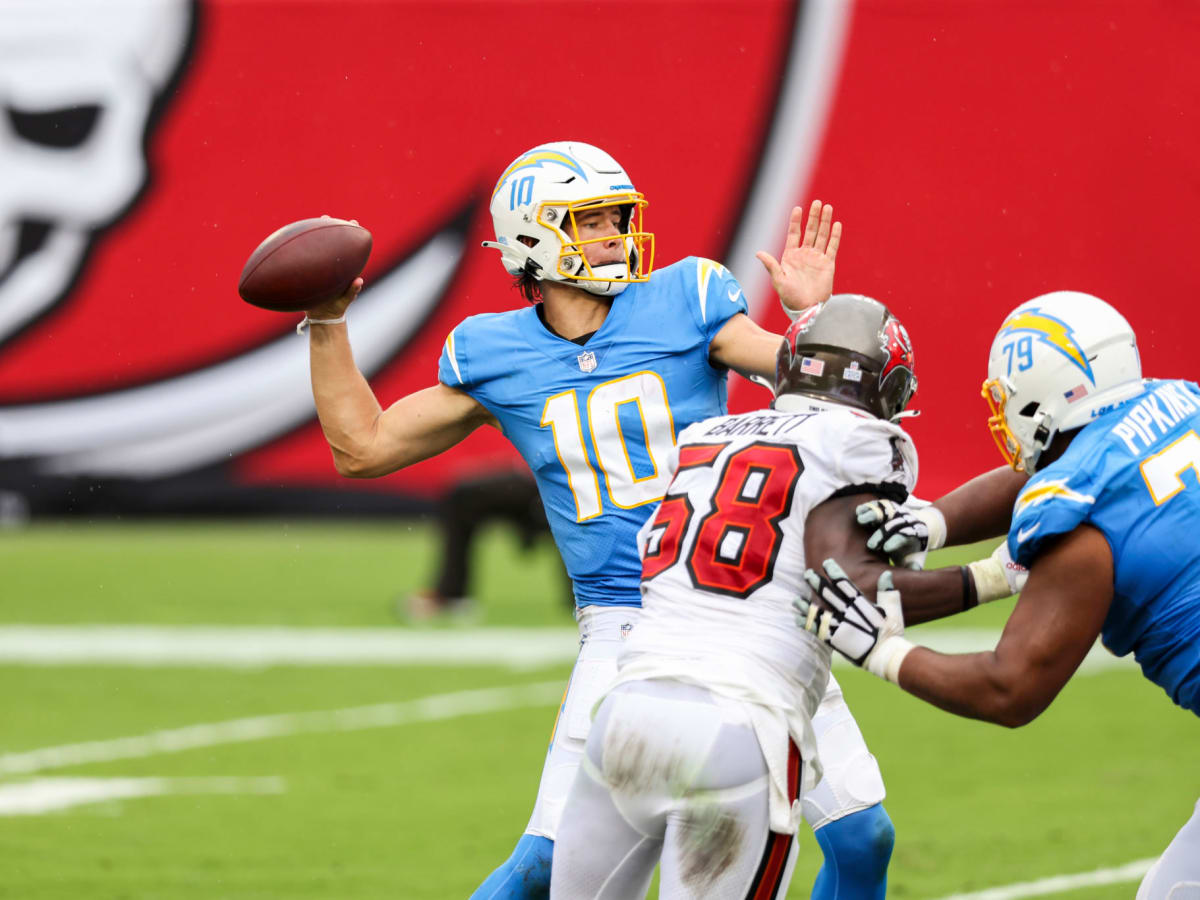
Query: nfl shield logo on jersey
[587, 361]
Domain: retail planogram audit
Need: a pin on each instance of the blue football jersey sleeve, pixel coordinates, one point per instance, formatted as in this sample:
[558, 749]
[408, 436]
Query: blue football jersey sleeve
[714, 298]
[596, 422]
[458, 366]
[1134, 474]
[1052, 504]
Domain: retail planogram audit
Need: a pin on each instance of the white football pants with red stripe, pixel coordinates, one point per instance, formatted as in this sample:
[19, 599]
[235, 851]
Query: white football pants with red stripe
[672, 774]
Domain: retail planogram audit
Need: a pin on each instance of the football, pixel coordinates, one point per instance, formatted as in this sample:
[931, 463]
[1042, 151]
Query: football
[304, 264]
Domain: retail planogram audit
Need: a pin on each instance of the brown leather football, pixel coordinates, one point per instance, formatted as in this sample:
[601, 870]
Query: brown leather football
[304, 264]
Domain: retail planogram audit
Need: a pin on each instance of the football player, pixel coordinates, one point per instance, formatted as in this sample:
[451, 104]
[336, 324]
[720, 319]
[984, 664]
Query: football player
[592, 384]
[1106, 525]
[704, 745]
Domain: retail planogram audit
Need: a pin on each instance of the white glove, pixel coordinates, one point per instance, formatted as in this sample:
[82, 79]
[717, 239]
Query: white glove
[998, 576]
[904, 535]
[868, 634]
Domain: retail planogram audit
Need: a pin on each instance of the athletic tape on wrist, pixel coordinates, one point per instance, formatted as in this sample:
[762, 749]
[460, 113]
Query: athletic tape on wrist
[307, 321]
[936, 523]
[898, 649]
[792, 314]
[990, 580]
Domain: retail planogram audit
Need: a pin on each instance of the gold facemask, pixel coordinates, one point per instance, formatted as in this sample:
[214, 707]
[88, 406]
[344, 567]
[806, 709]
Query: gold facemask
[1007, 443]
[635, 241]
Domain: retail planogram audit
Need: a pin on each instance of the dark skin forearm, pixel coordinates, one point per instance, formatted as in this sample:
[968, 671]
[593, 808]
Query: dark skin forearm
[830, 533]
[1052, 628]
[982, 507]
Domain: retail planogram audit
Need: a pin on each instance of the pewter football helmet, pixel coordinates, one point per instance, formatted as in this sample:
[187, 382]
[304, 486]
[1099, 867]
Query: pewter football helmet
[849, 349]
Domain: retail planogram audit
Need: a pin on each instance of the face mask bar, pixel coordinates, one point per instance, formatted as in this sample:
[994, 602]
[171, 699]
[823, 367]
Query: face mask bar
[1006, 442]
[637, 243]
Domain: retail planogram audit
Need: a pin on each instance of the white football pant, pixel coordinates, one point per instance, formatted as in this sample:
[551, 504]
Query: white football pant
[673, 774]
[851, 782]
[1176, 875]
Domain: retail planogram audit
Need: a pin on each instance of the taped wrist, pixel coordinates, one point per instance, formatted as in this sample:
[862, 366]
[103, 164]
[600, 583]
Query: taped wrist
[885, 660]
[793, 314]
[988, 579]
[306, 321]
[936, 523]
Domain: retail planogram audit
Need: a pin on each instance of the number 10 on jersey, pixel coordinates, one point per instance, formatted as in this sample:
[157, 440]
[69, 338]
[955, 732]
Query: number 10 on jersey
[643, 391]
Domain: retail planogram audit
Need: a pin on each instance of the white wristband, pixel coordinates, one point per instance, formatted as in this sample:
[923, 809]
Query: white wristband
[792, 314]
[990, 580]
[307, 321]
[887, 658]
[936, 523]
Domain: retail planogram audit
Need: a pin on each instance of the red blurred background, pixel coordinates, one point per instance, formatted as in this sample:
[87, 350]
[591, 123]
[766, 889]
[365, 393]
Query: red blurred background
[977, 154]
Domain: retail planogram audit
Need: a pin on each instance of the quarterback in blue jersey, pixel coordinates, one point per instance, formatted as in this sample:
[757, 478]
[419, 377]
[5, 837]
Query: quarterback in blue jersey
[1106, 526]
[592, 384]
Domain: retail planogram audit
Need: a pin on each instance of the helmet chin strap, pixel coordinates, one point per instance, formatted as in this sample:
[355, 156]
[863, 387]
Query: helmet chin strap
[604, 288]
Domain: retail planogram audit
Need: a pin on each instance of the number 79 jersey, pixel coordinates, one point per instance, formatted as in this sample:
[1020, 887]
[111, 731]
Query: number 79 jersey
[597, 422]
[723, 557]
[1133, 474]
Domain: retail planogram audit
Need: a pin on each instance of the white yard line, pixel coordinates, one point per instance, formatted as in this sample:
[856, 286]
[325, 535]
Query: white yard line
[1062, 883]
[44, 795]
[355, 718]
[257, 647]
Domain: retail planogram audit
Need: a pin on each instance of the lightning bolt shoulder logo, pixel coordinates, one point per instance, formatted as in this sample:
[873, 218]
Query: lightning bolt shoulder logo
[1052, 332]
[1050, 490]
[705, 269]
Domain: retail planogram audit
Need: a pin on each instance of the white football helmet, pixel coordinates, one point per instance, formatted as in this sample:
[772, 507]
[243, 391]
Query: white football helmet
[534, 206]
[1058, 361]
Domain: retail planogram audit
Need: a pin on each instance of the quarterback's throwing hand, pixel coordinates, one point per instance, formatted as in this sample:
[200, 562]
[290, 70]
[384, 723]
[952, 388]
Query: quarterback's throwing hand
[868, 634]
[904, 535]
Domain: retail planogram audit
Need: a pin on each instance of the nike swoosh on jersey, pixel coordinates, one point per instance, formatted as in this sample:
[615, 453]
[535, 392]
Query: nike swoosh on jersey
[734, 294]
[1027, 532]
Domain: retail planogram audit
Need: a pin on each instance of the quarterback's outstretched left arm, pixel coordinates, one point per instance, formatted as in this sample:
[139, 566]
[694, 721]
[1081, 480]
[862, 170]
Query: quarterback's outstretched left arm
[1051, 629]
[802, 276]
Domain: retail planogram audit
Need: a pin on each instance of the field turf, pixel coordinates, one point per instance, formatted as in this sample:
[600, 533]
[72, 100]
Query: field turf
[421, 799]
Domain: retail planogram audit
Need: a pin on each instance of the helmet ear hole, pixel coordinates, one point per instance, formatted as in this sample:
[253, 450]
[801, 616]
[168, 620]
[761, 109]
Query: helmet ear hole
[527, 240]
[1029, 410]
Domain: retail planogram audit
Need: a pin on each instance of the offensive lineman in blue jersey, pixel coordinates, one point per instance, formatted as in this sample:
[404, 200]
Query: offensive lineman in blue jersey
[592, 384]
[1106, 526]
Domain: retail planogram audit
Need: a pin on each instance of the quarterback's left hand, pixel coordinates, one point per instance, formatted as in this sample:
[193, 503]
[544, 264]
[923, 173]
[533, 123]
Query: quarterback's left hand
[868, 634]
[803, 275]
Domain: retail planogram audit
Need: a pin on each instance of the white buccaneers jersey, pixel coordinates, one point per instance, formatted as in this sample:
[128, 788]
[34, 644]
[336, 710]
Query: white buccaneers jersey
[723, 556]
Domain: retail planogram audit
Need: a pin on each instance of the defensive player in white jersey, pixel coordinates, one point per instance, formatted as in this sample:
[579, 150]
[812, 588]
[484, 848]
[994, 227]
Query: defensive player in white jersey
[703, 747]
[1106, 526]
[592, 384]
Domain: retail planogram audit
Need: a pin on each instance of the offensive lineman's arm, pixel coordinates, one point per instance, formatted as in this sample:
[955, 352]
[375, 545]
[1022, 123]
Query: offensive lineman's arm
[975, 511]
[982, 507]
[1051, 629]
[1053, 626]
[802, 276]
[368, 441]
[830, 533]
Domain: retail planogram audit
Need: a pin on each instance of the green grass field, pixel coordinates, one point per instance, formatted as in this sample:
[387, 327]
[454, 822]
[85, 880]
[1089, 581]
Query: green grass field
[417, 798]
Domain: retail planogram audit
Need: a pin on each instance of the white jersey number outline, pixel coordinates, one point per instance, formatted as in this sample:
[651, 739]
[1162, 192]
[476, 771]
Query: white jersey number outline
[734, 548]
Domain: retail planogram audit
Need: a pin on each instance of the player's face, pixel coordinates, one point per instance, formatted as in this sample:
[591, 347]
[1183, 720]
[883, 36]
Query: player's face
[596, 225]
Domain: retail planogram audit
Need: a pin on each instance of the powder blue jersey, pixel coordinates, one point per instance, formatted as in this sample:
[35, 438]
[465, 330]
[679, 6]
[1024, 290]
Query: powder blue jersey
[596, 422]
[1132, 473]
